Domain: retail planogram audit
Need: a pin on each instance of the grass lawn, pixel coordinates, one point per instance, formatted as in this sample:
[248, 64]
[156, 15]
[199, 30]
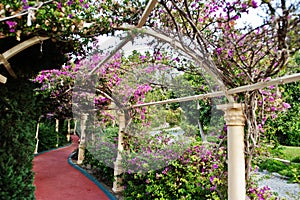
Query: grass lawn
[291, 170]
[290, 153]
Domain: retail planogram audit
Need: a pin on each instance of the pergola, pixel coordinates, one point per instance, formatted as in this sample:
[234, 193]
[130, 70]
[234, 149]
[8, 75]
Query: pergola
[234, 115]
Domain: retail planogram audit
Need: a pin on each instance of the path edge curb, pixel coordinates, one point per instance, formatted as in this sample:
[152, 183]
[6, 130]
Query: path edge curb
[109, 195]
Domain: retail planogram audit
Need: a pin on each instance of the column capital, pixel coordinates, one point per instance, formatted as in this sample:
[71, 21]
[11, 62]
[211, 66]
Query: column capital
[84, 116]
[233, 114]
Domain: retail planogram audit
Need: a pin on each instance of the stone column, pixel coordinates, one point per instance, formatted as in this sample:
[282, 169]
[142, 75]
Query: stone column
[81, 148]
[118, 169]
[235, 121]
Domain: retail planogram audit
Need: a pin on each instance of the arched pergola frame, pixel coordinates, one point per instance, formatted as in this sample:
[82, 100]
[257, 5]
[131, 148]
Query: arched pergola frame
[15, 50]
[233, 112]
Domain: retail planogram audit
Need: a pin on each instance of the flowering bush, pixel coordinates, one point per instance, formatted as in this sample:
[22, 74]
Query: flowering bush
[200, 172]
[264, 193]
[285, 129]
[56, 85]
[65, 19]
[270, 103]
[104, 146]
[150, 152]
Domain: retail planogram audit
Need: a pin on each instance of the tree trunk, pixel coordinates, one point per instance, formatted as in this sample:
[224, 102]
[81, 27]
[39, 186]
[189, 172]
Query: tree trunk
[203, 136]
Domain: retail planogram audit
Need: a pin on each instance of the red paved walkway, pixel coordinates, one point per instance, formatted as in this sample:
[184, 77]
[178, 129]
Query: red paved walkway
[56, 179]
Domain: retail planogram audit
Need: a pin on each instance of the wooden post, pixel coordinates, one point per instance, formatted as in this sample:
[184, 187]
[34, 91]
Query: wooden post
[235, 121]
[69, 130]
[37, 136]
[83, 119]
[56, 130]
[75, 126]
[118, 169]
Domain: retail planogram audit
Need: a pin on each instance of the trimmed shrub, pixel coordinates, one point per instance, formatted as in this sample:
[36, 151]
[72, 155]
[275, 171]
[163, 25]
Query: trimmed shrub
[296, 159]
[272, 165]
[292, 171]
[19, 113]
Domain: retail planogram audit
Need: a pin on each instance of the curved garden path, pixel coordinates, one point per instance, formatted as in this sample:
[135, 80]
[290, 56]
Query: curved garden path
[56, 179]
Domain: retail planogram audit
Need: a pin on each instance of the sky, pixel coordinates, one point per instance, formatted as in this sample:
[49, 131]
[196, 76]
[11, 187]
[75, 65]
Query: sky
[252, 18]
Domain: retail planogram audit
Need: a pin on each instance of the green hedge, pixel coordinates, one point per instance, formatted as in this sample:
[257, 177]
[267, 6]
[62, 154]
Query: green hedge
[18, 113]
[291, 171]
[48, 135]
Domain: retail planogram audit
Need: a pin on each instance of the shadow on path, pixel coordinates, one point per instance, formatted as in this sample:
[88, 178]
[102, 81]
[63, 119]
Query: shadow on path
[56, 179]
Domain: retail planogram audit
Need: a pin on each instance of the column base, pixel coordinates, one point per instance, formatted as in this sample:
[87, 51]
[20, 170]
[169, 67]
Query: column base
[80, 154]
[117, 187]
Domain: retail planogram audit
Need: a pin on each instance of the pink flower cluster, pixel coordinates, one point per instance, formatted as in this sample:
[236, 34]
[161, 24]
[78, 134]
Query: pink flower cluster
[12, 25]
[271, 102]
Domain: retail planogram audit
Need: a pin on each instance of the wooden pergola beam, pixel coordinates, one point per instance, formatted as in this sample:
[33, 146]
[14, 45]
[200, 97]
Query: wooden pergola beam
[24, 45]
[17, 49]
[256, 86]
[3, 79]
[141, 23]
[146, 13]
[7, 66]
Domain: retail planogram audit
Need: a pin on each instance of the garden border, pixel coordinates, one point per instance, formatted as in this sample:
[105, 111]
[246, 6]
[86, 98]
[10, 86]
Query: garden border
[93, 179]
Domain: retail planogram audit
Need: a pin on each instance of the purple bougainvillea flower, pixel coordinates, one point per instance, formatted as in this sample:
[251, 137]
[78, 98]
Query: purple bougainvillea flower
[59, 5]
[219, 51]
[11, 24]
[254, 4]
[215, 166]
[230, 53]
[69, 3]
[286, 105]
[212, 179]
[25, 4]
[271, 87]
